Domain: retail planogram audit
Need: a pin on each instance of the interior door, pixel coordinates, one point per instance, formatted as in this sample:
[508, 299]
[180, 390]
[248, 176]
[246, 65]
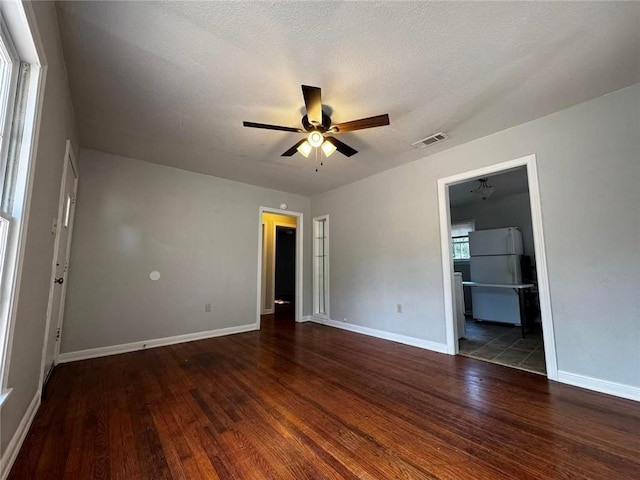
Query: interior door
[64, 229]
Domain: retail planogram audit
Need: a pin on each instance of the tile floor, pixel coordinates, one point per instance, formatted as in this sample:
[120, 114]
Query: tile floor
[503, 344]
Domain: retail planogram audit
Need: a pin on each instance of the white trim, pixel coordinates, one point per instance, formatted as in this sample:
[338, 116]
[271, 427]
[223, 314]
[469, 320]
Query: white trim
[4, 396]
[5, 231]
[20, 434]
[326, 274]
[146, 344]
[307, 318]
[277, 224]
[544, 291]
[267, 311]
[23, 26]
[68, 160]
[10, 87]
[20, 19]
[299, 259]
[67, 254]
[393, 337]
[602, 386]
[529, 162]
[263, 300]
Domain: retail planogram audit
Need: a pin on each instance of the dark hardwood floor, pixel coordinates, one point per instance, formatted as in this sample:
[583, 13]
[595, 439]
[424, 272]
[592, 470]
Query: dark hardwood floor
[309, 401]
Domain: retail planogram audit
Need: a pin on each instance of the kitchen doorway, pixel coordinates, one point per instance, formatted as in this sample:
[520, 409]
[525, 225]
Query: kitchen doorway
[496, 292]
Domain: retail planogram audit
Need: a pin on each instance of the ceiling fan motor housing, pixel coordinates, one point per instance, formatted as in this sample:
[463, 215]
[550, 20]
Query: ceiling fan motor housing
[308, 126]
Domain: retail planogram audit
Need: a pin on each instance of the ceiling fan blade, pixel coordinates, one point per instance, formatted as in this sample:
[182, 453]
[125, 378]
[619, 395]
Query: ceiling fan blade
[272, 127]
[313, 103]
[293, 150]
[377, 121]
[342, 147]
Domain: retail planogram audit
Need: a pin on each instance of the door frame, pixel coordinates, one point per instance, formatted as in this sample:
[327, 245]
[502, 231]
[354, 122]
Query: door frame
[546, 316]
[326, 273]
[299, 259]
[61, 201]
[263, 294]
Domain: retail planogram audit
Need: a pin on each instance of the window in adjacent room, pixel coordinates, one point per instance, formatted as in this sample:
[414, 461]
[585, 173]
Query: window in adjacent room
[460, 239]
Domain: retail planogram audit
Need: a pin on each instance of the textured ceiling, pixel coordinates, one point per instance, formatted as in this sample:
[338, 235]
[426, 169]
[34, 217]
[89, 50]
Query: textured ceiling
[171, 82]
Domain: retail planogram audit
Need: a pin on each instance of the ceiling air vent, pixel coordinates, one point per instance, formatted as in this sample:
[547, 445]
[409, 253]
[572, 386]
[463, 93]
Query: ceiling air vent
[435, 138]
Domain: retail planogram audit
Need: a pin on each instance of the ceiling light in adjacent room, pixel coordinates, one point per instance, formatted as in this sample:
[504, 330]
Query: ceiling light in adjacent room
[328, 148]
[484, 190]
[305, 149]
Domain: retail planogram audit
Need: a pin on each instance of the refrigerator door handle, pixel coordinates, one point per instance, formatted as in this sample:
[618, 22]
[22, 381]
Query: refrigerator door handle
[510, 245]
[512, 265]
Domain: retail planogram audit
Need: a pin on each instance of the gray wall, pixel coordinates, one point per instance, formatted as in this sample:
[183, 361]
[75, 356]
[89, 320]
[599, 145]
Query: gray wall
[200, 232]
[56, 126]
[385, 240]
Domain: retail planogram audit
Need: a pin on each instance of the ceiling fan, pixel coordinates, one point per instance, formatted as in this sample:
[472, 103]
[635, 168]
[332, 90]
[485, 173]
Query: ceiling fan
[318, 126]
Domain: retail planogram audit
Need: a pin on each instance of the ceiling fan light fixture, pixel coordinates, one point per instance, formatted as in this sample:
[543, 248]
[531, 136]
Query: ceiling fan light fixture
[305, 149]
[484, 190]
[328, 148]
[315, 139]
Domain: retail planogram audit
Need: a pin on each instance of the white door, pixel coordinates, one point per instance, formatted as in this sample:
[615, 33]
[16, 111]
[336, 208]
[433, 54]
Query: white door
[64, 228]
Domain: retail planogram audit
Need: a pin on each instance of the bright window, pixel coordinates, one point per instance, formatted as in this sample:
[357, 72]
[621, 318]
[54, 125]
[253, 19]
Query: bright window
[20, 88]
[460, 239]
[9, 78]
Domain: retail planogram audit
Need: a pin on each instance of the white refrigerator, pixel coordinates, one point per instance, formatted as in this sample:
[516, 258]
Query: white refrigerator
[495, 258]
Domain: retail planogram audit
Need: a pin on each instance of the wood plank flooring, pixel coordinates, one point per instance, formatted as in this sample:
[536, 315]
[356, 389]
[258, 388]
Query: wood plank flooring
[309, 401]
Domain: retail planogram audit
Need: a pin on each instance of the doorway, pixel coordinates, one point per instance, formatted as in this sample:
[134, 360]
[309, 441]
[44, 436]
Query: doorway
[497, 304]
[280, 262]
[284, 285]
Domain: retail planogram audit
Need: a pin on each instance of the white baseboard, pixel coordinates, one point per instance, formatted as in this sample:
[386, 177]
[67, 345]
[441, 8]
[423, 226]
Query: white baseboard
[306, 318]
[267, 311]
[158, 342]
[394, 337]
[602, 386]
[13, 448]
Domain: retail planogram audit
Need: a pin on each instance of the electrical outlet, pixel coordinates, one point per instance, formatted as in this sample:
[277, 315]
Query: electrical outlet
[207, 307]
[399, 308]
